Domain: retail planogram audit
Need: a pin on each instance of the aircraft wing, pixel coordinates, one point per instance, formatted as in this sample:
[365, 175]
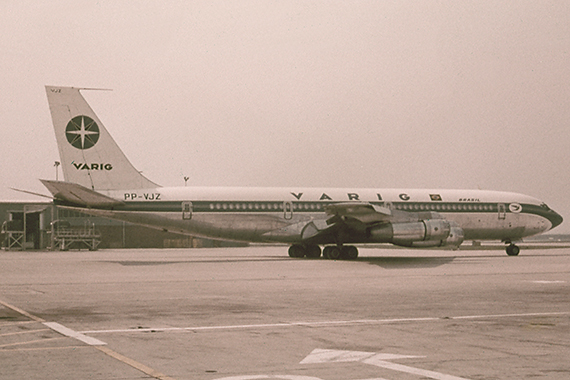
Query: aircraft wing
[343, 218]
[362, 211]
[79, 195]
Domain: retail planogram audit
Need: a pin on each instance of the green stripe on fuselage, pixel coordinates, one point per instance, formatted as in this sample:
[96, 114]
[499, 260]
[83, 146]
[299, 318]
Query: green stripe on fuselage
[313, 207]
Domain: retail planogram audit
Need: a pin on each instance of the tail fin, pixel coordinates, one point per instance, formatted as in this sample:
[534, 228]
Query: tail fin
[89, 155]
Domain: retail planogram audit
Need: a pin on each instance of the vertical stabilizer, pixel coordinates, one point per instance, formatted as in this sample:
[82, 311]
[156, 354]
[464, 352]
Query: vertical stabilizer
[89, 155]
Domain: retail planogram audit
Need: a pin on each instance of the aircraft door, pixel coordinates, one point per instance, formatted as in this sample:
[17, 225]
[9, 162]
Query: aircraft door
[502, 208]
[187, 210]
[288, 210]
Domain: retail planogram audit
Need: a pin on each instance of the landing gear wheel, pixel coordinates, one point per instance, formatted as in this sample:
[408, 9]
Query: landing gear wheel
[513, 250]
[313, 251]
[297, 251]
[332, 253]
[349, 252]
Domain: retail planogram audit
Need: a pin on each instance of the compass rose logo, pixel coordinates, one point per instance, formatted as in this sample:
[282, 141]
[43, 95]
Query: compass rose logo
[82, 132]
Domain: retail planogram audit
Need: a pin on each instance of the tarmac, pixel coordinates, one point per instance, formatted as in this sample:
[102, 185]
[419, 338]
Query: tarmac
[255, 313]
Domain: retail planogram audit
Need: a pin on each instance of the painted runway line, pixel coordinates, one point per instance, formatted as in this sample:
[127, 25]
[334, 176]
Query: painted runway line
[47, 348]
[133, 363]
[22, 312]
[263, 377]
[24, 332]
[319, 356]
[321, 323]
[412, 370]
[74, 334]
[30, 342]
[93, 342]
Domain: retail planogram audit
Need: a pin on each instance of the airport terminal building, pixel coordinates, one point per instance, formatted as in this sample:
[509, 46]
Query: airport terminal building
[42, 225]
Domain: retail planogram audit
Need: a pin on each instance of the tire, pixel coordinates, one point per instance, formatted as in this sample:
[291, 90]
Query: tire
[297, 251]
[334, 253]
[349, 252]
[313, 251]
[513, 250]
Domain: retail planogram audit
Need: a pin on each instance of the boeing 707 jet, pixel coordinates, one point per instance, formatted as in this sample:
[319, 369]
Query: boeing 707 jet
[100, 181]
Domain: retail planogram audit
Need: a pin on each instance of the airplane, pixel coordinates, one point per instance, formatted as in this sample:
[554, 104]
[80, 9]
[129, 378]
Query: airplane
[99, 180]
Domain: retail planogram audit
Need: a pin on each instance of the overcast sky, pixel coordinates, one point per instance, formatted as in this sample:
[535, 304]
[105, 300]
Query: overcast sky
[410, 94]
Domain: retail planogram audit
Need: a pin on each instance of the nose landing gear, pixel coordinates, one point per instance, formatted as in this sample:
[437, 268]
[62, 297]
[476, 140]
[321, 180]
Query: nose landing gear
[512, 250]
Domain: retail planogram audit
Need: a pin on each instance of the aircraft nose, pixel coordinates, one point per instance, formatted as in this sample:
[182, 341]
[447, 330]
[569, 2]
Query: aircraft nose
[555, 219]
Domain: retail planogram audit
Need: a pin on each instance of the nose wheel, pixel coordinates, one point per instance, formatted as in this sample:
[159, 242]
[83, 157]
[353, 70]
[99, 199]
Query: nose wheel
[512, 250]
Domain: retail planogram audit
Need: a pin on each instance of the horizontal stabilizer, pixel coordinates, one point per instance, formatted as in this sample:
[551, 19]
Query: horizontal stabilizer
[79, 195]
[32, 193]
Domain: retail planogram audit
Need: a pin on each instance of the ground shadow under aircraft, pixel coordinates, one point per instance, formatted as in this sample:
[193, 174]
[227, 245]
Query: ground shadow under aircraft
[387, 256]
[395, 262]
[494, 251]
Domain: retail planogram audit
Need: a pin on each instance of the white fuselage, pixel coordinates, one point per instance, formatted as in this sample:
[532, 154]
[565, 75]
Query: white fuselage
[271, 214]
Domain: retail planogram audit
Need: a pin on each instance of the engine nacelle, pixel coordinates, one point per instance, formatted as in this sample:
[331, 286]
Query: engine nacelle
[456, 236]
[410, 232]
[454, 240]
[421, 234]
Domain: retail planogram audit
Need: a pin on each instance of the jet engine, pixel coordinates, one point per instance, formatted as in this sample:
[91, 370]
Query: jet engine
[453, 240]
[423, 233]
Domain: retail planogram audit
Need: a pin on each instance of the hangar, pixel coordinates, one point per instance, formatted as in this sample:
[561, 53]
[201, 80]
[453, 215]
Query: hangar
[42, 225]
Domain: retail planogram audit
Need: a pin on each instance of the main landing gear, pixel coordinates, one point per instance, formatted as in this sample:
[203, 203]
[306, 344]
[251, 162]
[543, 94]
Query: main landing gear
[333, 252]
